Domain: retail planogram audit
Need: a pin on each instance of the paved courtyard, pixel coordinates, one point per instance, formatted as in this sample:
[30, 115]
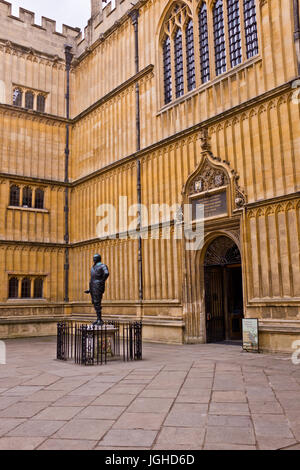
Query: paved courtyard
[180, 397]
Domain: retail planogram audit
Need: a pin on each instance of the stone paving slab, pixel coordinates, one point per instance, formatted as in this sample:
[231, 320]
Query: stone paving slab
[212, 397]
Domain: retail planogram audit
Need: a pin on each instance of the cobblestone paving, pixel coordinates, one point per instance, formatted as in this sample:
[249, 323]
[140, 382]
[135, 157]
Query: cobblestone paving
[180, 397]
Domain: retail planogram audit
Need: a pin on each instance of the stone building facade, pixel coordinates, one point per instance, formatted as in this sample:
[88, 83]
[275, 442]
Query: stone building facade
[169, 103]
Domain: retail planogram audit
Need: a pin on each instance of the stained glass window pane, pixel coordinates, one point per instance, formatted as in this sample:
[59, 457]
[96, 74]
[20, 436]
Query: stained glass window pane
[219, 38]
[29, 100]
[234, 32]
[179, 83]
[14, 199]
[17, 97]
[167, 70]
[204, 49]
[25, 290]
[13, 288]
[250, 28]
[190, 56]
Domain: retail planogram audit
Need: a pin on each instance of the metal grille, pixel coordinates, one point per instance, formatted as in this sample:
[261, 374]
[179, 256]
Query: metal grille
[190, 56]
[27, 197]
[40, 106]
[234, 31]
[204, 48]
[89, 345]
[167, 70]
[219, 38]
[250, 28]
[38, 288]
[25, 290]
[29, 100]
[13, 288]
[39, 199]
[179, 83]
[14, 197]
[17, 97]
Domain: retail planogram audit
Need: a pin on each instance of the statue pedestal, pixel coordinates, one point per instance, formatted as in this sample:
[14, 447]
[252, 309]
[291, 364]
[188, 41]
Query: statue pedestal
[101, 340]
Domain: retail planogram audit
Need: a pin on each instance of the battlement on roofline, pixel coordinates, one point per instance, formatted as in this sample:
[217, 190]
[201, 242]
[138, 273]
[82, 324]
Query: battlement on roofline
[23, 30]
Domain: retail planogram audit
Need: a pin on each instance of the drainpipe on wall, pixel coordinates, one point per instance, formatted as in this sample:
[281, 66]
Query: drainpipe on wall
[69, 57]
[134, 15]
[297, 32]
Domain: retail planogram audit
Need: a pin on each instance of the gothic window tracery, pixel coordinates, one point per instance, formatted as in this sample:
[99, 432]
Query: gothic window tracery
[188, 49]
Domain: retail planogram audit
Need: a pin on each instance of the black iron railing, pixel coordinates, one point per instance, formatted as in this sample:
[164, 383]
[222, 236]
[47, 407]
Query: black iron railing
[92, 345]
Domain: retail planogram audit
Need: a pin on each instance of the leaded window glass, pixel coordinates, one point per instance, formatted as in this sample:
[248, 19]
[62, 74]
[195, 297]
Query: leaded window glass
[13, 288]
[179, 82]
[27, 197]
[14, 196]
[17, 97]
[39, 199]
[29, 100]
[25, 289]
[167, 70]
[250, 28]
[234, 31]
[204, 48]
[190, 56]
[38, 288]
[40, 106]
[219, 38]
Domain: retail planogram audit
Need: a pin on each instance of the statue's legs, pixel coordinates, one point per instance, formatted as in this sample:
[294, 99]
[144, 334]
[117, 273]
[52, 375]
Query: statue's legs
[98, 308]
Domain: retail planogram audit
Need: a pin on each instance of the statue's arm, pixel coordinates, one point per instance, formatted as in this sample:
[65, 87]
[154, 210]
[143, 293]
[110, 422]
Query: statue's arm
[105, 272]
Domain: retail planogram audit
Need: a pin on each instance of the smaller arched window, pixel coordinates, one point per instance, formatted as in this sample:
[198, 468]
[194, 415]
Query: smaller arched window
[27, 197]
[219, 37]
[14, 196]
[17, 97]
[178, 57]
[13, 288]
[26, 288]
[39, 199]
[29, 98]
[167, 70]
[41, 100]
[190, 56]
[38, 288]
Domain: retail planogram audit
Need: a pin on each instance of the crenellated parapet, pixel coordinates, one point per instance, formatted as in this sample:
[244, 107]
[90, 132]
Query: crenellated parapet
[24, 31]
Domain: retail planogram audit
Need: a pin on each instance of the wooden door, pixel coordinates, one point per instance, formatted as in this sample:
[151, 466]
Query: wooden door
[214, 303]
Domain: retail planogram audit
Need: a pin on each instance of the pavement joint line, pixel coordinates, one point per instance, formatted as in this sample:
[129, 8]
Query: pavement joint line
[171, 407]
[209, 403]
[104, 435]
[283, 413]
[251, 418]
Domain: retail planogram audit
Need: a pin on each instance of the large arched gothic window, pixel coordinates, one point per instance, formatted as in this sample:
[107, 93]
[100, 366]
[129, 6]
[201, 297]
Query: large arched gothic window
[178, 58]
[234, 32]
[167, 70]
[203, 39]
[190, 55]
[219, 38]
[187, 63]
[250, 28]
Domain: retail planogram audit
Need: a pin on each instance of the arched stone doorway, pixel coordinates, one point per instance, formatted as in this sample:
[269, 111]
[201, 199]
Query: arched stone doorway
[223, 291]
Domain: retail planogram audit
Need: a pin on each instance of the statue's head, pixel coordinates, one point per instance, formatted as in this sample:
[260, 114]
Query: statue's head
[97, 259]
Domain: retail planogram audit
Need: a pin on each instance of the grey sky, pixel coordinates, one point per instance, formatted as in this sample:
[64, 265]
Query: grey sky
[71, 12]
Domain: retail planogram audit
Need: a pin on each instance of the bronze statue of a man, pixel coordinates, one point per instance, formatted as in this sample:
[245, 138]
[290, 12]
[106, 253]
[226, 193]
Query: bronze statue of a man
[99, 275]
